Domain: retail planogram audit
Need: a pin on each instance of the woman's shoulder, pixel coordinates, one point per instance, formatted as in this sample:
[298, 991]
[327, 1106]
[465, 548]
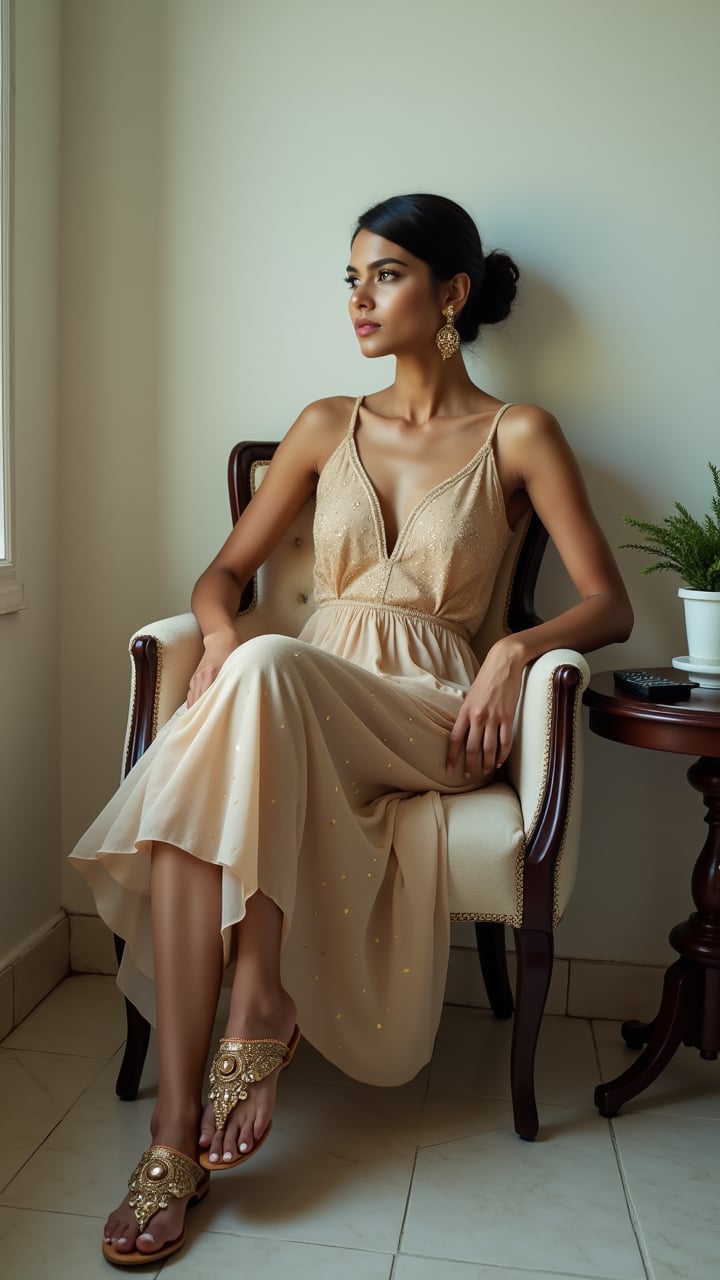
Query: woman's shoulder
[526, 429]
[529, 440]
[529, 421]
[330, 415]
[320, 426]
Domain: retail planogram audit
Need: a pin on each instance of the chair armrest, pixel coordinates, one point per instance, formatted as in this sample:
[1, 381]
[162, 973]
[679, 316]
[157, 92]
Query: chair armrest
[529, 759]
[163, 656]
[546, 771]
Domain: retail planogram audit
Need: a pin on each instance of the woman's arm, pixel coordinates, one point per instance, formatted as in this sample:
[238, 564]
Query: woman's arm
[290, 480]
[534, 456]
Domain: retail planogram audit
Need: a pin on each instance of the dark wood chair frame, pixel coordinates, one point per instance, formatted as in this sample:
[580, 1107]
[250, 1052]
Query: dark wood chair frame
[534, 939]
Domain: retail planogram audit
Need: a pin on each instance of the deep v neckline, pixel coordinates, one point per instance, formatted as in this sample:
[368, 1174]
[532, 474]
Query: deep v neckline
[406, 526]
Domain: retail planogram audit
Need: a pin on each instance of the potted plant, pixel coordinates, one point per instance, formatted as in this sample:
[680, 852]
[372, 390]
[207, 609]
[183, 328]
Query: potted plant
[690, 548]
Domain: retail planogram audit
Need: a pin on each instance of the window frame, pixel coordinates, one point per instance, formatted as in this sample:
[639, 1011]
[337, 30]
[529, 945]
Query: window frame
[11, 590]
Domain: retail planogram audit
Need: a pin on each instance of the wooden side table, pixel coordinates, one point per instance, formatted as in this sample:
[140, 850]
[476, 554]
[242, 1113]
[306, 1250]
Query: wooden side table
[689, 1010]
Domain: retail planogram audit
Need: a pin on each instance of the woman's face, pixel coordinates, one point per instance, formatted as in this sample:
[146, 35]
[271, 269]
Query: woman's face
[394, 304]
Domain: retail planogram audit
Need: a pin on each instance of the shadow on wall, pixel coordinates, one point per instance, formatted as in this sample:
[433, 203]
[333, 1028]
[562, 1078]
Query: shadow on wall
[546, 352]
[658, 634]
[642, 828]
[550, 354]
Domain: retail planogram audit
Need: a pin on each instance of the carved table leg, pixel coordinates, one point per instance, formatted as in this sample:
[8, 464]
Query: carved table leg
[690, 1007]
[667, 1033]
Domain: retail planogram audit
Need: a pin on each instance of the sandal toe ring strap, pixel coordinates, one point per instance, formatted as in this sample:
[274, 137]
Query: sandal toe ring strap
[237, 1064]
[161, 1174]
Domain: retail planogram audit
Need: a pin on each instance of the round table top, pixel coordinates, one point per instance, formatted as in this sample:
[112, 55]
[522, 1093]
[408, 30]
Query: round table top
[690, 728]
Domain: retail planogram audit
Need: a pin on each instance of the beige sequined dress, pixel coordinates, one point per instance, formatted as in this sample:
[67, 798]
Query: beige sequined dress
[311, 769]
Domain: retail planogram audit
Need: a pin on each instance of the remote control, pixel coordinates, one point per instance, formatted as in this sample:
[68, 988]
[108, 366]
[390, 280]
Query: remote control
[654, 688]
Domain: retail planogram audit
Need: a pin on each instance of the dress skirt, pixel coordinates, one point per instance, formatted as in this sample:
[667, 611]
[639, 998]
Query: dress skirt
[311, 770]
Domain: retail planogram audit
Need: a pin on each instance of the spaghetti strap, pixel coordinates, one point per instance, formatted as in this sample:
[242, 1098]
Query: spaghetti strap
[349, 434]
[496, 422]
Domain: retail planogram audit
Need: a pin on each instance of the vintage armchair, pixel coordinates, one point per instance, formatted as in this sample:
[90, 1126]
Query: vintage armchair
[512, 845]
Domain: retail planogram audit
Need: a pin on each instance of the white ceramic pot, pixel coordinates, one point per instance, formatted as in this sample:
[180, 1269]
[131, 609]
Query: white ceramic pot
[702, 623]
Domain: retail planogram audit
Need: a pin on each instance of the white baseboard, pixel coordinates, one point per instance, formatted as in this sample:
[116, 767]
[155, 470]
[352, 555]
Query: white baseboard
[465, 985]
[32, 973]
[580, 988]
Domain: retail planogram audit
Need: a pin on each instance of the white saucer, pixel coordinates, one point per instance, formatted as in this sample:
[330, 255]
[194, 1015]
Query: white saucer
[707, 671]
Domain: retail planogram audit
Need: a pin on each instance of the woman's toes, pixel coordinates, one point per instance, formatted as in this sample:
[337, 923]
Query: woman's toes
[124, 1239]
[163, 1226]
[246, 1136]
[237, 1139]
[115, 1224]
[262, 1120]
[207, 1128]
[118, 1228]
[232, 1144]
[146, 1243]
[216, 1146]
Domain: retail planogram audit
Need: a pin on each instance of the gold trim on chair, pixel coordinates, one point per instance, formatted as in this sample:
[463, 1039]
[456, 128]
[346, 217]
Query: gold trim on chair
[158, 679]
[550, 697]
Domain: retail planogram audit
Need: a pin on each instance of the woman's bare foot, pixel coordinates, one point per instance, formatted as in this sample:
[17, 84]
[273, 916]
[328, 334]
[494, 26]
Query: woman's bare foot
[248, 1120]
[122, 1230]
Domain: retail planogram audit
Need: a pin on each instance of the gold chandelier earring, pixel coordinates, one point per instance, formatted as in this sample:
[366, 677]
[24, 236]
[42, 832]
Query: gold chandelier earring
[448, 338]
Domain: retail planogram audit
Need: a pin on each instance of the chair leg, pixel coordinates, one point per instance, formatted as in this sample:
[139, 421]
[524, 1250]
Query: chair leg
[490, 938]
[136, 1044]
[534, 950]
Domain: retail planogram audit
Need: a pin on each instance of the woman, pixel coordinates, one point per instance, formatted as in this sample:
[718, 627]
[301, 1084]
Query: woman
[292, 805]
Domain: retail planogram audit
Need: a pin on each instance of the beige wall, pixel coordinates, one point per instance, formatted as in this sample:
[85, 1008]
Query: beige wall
[29, 671]
[215, 156]
[113, 318]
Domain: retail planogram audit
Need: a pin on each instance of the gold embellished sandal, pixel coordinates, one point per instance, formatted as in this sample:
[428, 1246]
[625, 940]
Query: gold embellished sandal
[162, 1174]
[236, 1065]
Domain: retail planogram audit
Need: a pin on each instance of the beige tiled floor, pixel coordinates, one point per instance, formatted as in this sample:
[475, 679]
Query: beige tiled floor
[427, 1182]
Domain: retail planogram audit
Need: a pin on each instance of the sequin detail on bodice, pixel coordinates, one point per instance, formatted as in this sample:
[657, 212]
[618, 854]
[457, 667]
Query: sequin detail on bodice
[447, 554]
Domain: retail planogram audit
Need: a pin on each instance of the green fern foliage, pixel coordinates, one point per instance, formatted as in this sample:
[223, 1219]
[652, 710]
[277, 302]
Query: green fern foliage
[684, 545]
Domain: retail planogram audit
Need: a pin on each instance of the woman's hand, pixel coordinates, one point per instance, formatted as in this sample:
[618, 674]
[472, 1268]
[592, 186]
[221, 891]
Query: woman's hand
[218, 647]
[484, 725]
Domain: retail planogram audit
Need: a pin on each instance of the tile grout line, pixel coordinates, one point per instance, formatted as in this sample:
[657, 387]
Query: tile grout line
[58, 1213]
[401, 1233]
[501, 1267]
[634, 1220]
[101, 1067]
[632, 1212]
[298, 1241]
[87, 1057]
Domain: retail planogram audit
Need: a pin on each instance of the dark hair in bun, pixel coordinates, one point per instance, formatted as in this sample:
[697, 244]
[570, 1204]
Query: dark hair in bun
[441, 233]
